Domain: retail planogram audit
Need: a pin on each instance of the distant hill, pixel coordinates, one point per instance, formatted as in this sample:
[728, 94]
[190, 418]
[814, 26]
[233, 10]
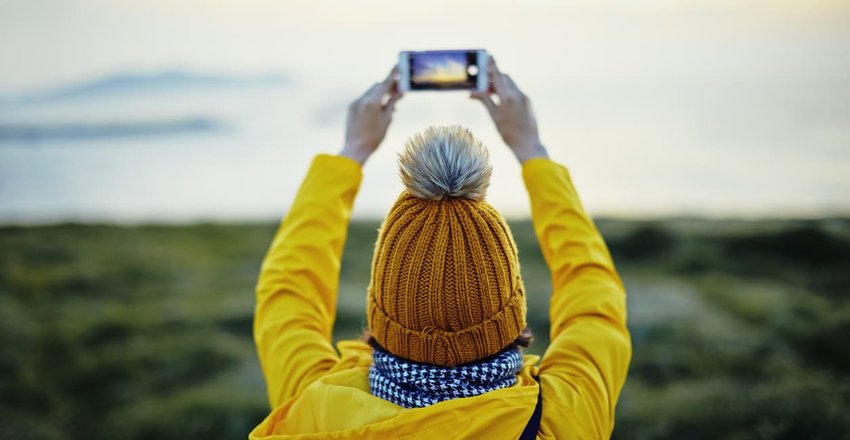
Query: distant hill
[130, 83]
[32, 133]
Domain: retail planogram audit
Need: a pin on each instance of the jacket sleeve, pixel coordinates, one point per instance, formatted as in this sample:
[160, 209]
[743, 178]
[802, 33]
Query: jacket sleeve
[585, 365]
[298, 282]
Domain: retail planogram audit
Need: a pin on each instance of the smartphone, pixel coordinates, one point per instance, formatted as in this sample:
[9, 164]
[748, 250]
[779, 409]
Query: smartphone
[443, 70]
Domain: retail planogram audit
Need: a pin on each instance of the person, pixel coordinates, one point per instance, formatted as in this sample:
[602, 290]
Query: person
[446, 302]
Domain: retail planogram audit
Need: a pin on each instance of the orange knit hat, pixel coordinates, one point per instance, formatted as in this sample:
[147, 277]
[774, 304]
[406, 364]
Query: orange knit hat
[446, 287]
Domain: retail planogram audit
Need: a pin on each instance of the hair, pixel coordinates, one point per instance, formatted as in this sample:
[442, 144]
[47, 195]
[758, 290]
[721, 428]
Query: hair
[524, 340]
[445, 162]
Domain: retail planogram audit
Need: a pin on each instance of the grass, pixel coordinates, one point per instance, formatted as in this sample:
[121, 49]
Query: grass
[739, 327]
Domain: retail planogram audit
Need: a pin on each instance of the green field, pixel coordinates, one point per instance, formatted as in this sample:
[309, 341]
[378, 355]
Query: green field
[741, 329]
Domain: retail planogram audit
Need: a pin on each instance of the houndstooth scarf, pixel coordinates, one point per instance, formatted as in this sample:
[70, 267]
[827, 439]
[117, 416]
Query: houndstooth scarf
[413, 385]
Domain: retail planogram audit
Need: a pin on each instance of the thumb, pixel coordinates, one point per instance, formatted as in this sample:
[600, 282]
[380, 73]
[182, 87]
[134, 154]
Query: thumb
[485, 99]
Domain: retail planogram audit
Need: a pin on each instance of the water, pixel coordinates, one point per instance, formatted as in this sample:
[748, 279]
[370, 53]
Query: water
[652, 149]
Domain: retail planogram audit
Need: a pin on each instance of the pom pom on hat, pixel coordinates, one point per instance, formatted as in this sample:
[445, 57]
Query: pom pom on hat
[445, 162]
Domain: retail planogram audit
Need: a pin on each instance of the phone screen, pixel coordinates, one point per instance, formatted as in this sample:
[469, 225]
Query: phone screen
[443, 70]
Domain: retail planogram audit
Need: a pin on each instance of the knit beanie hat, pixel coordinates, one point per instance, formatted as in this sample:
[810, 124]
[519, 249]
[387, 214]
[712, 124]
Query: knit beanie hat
[445, 287]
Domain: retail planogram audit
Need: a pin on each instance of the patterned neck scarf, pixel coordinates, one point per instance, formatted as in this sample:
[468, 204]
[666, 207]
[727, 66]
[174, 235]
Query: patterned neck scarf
[413, 385]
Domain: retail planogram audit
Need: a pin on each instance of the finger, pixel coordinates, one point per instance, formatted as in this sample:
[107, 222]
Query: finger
[388, 83]
[512, 87]
[389, 107]
[512, 84]
[497, 78]
[486, 100]
[491, 63]
[376, 93]
[371, 91]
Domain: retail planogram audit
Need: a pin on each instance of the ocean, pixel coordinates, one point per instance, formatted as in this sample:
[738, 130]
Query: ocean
[181, 147]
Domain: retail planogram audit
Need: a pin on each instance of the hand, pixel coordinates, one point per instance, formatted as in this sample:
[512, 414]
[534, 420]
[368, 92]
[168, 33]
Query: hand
[513, 115]
[369, 117]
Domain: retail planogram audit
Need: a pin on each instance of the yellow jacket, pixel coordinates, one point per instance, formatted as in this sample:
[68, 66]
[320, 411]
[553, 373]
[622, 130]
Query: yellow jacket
[317, 392]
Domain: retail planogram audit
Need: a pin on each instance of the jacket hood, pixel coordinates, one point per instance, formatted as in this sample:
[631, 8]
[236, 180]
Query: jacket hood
[340, 406]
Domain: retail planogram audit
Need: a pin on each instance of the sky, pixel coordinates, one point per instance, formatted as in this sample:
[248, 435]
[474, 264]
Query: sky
[45, 41]
[658, 107]
[445, 68]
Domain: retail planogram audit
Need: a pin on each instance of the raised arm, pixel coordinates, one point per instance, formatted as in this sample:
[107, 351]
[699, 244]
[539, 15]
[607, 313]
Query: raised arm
[586, 363]
[297, 287]
[299, 278]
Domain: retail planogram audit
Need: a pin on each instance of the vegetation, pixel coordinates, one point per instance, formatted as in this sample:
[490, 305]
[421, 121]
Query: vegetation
[740, 328]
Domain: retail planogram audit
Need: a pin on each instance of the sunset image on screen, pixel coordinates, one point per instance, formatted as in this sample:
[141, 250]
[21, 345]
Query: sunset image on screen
[441, 68]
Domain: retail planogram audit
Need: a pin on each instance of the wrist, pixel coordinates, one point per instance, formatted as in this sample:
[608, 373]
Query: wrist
[358, 155]
[530, 151]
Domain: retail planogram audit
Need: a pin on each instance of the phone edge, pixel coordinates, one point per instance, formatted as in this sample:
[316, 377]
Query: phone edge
[483, 74]
[404, 71]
